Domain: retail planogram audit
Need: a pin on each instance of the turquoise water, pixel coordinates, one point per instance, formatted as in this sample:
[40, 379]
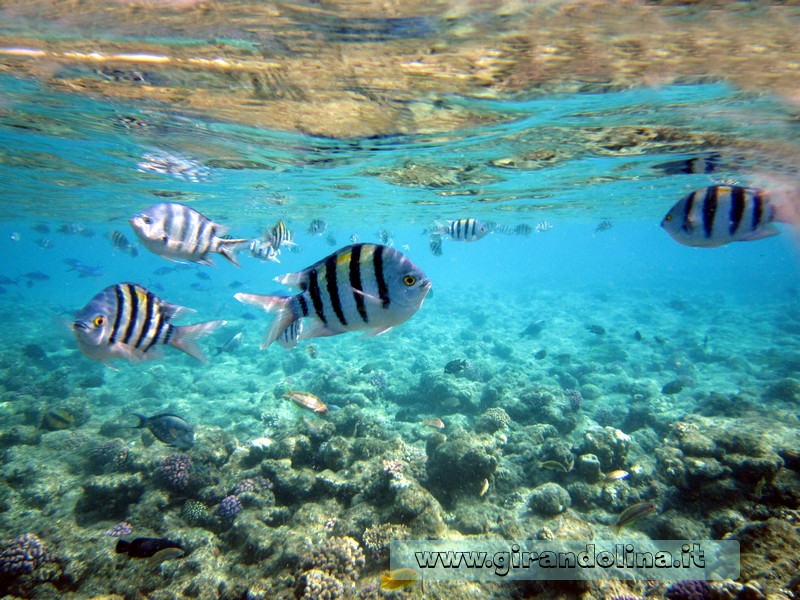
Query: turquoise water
[722, 321]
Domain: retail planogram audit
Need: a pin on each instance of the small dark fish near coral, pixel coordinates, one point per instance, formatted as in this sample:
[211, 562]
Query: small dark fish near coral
[169, 429]
[540, 355]
[673, 387]
[156, 549]
[604, 226]
[456, 366]
[596, 329]
[634, 513]
[83, 269]
[58, 418]
[317, 227]
[533, 330]
[232, 345]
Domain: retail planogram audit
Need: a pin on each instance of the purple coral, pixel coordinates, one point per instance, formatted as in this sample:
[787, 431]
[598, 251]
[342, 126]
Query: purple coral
[22, 555]
[229, 508]
[175, 470]
[252, 484]
[689, 589]
[575, 399]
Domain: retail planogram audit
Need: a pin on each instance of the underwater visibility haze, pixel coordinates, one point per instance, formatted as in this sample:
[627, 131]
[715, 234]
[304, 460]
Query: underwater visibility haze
[531, 271]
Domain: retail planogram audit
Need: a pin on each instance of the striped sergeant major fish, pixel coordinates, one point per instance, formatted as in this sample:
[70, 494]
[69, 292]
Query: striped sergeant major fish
[291, 335]
[180, 233]
[279, 235]
[129, 321]
[360, 287]
[463, 230]
[720, 214]
[264, 250]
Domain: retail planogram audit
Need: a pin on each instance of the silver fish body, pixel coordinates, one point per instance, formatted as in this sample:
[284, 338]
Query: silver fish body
[360, 287]
[178, 232]
[129, 321]
[720, 214]
[463, 230]
[264, 250]
[291, 335]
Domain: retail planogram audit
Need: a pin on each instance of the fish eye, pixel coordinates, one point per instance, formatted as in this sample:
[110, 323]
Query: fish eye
[668, 218]
[409, 280]
[146, 220]
[99, 320]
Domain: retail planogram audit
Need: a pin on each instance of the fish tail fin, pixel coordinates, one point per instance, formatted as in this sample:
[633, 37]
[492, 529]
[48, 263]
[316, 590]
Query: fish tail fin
[122, 546]
[185, 337]
[282, 306]
[226, 248]
[387, 583]
[142, 421]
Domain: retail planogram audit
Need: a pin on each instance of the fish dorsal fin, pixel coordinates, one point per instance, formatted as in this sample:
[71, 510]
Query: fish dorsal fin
[171, 311]
[294, 280]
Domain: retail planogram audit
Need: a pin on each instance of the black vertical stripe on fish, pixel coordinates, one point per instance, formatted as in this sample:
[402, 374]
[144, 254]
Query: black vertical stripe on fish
[377, 262]
[133, 321]
[168, 334]
[117, 314]
[355, 282]
[303, 305]
[474, 226]
[316, 299]
[333, 288]
[737, 208]
[161, 322]
[709, 210]
[758, 209]
[149, 304]
[687, 212]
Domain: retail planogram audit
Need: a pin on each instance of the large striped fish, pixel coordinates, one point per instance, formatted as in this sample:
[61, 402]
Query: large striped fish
[129, 321]
[463, 230]
[720, 214]
[359, 287]
[178, 232]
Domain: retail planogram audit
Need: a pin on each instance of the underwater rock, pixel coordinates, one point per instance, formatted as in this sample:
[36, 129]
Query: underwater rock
[590, 391]
[768, 553]
[688, 589]
[589, 468]
[555, 450]
[458, 466]
[492, 420]
[784, 390]
[583, 495]
[340, 557]
[437, 388]
[417, 508]
[108, 497]
[334, 454]
[609, 445]
[377, 538]
[549, 499]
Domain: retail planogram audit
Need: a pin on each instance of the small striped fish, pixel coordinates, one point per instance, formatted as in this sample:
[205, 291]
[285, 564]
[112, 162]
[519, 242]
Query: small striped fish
[463, 230]
[359, 287]
[129, 321]
[720, 214]
[178, 232]
[264, 250]
[279, 235]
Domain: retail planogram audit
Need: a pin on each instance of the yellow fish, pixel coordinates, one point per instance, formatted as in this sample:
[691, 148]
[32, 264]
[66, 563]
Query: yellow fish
[399, 578]
[307, 401]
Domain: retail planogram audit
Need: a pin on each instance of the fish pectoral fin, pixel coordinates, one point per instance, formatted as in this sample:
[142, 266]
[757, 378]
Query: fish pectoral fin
[317, 329]
[377, 331]
[293, 280]
[208, 262]
[765, 231]
[173, 310]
